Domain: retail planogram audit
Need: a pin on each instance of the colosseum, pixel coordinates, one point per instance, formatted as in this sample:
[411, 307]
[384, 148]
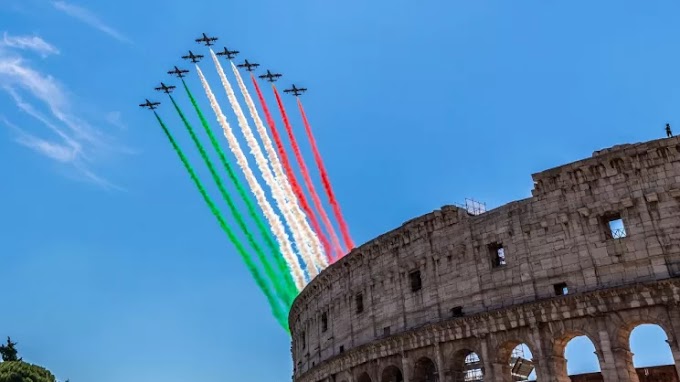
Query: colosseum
[595, 252]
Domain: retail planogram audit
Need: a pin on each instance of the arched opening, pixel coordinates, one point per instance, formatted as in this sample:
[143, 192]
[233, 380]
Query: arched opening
[580, 356]
[652, 356]
[521, 364]
[467, 367]
[391, 374]
[425, 371]
[574, 354]
[364, 378]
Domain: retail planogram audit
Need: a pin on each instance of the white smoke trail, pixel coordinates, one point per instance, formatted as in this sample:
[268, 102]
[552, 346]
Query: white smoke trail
[270, 215]
[319, 258]
[301, 237]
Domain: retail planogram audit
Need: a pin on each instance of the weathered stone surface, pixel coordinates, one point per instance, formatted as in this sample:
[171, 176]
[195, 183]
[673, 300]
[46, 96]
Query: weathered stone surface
[560, 235]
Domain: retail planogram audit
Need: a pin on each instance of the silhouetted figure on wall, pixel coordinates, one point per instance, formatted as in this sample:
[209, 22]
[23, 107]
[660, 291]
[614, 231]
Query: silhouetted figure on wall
[669, 132]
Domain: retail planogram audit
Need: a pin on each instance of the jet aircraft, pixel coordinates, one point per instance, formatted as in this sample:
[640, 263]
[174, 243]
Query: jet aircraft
[149, 104]
[178, 72]
[271, 77]
[193, 57]
[229, 53]
[249, 67]
[296, 91]
[165, 88]
[206, 40]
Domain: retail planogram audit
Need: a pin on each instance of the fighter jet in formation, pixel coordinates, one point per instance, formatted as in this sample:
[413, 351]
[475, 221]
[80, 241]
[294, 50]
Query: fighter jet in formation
[165, 88]
[296, 91]
[149, 104]
[249, 67]
[271, 77]
[193, 57]
[228, 53]
[178, 72]
[206, 40]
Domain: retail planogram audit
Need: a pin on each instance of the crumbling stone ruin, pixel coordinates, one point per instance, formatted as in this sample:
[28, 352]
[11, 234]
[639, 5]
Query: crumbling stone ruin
[446, 297]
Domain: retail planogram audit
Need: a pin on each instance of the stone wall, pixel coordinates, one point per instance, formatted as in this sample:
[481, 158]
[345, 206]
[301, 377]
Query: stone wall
[444, 265]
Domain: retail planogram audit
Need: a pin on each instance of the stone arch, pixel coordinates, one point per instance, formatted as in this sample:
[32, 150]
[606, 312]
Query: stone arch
[466, 365]
[504, 357]
[425, 370]
[391, 374]
[559, 347]
[651, 333]
[364, 377]
[629, 320]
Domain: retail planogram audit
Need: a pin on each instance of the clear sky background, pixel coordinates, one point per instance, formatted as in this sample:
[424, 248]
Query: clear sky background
[113, 268]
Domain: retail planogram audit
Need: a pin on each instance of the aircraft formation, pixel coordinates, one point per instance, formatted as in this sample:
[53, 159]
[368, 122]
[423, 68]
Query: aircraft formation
[228, 54]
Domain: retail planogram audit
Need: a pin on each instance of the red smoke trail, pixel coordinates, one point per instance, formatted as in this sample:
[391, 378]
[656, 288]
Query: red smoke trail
[326, 181]
[291, 175]
[308, 179]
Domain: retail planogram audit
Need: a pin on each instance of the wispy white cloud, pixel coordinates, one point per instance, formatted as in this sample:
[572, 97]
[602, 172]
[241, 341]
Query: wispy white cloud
[33, 43]
[115, 118]
[60, 152]
[72, 141]
[90, 19]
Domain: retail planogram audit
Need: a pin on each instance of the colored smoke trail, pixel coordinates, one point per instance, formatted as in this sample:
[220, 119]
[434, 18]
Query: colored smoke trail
[276, 308]
[288, 283]
[305, 174]
[255, 187]
[282, 290]
[293, 180]
[301, 239]
[279, 173]
[325, 180]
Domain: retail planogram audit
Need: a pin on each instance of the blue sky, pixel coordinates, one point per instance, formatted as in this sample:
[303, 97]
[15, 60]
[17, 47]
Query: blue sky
[120, 272]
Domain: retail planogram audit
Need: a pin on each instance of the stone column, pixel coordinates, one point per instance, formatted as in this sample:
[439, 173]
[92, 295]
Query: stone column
[540, 354]
[406, 368]
[441, 367]
[674, 337]
[489, 366]
[616, 363]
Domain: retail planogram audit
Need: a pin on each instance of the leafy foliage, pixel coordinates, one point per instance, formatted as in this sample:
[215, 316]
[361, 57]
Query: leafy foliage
[9, 352]
[13, 369]
[19, 371]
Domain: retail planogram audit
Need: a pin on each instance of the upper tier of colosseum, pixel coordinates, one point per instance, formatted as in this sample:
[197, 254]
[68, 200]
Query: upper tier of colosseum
[609, 220]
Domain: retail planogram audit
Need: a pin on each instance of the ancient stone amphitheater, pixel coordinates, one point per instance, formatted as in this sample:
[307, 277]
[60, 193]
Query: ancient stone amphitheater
[594, 251]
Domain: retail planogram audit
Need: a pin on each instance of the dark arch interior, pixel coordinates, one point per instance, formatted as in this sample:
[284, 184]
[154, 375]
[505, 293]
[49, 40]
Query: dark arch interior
[425, 371]
[392, 374]
[364, 378]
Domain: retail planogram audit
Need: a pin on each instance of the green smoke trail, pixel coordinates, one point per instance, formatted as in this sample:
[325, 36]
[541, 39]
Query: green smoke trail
[287, 284]
[232, 207]
[276, 308]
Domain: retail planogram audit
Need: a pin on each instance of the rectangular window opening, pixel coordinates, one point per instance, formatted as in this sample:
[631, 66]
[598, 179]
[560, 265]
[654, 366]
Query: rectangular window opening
[304, 340]
[416, 282]
[386, 331]
[342, 348]
[561, 289]
[457, 311]
[359, 299]
[324, 322]
[497, 252]
[617, 230]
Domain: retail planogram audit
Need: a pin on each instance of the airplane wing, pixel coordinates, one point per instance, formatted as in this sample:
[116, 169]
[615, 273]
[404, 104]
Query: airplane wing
[199, 56]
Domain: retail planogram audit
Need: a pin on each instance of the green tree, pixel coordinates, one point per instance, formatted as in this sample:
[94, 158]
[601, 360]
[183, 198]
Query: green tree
[13, 369]
[19, 371]
[9, 352]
